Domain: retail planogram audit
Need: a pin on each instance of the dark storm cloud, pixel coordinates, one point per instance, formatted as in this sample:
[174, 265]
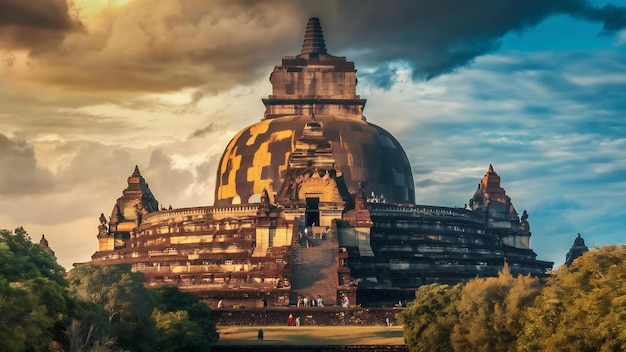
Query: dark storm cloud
[32, 24]
[613, 17]
[164, 46]
[19, 172]
[212, 46]
[436, 37]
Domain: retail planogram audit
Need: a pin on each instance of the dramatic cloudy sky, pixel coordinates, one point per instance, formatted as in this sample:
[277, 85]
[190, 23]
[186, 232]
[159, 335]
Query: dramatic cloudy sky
[89, 89]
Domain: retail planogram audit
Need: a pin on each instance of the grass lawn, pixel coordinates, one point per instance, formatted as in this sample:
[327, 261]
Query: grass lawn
[311, 335]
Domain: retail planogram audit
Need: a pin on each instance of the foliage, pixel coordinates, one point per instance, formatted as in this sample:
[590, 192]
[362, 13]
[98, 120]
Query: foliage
[583, 308]
[98, 309]
[122, 295]
[141, 319]
[486, 314]
[428, 320]
[491, 312]
[21, 259]
[171, 299]
[177, 332]
[33, 295]
[91, 330]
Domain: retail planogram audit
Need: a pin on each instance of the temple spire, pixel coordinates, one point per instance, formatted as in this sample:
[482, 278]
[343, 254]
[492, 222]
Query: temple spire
[578, 249]
[136, 172]
[313, 38]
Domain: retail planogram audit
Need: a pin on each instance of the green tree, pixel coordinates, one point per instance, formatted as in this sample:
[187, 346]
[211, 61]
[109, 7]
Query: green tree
[177, 332]
[23, 260]
[428, 320]
[171, 300]
[485, 314]
[491, 312]
[90, 330]
[127, 302]
[33, 295]
[582, 308]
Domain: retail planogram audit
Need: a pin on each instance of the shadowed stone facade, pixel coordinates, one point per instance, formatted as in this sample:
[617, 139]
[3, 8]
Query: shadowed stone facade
[314, 201]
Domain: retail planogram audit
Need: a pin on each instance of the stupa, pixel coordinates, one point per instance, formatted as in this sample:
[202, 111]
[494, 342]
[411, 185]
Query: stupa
[314, 200]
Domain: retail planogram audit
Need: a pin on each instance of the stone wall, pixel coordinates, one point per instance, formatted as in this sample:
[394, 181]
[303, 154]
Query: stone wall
[308, 316]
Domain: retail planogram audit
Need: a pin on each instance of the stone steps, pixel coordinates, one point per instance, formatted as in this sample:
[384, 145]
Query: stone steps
[314, 269]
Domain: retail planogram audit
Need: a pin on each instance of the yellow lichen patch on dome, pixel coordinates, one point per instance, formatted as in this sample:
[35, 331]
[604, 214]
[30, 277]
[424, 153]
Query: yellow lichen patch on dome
[257, 129]
[283, 167]
[280, 135]
[262, 158]
[229, 189]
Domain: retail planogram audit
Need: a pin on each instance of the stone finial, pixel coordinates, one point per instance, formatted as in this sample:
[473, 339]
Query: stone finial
[490, 170]
[313, 38]
[43, 241]
[136, 172]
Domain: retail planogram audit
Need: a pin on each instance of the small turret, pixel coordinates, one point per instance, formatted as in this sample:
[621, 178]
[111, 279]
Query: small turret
[43, 242]
[491, 197]
[136, 201]
[578, 249]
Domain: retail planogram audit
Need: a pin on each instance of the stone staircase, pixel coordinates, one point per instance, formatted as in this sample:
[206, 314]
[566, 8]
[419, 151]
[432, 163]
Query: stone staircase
[314, 268]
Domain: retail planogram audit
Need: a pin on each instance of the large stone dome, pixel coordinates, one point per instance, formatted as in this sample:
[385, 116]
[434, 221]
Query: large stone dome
[314, 86]
[257, 157]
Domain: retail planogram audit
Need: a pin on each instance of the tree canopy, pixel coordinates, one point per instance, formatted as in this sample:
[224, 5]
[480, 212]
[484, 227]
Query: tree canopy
[141, 319]
[34, 300]
[97, 308]
[583, 306]
[122, 294]
[485, 314]
[185, 306]
[428, 320]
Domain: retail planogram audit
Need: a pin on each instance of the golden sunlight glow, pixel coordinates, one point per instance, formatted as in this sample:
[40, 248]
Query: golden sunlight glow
[90, 8]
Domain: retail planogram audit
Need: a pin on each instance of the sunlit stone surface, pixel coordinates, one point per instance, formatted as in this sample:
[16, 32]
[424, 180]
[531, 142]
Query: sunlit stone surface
[315, 201]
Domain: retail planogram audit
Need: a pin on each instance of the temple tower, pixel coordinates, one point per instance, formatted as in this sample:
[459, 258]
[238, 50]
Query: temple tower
[313, 86]
[578, 249]
[136, 201]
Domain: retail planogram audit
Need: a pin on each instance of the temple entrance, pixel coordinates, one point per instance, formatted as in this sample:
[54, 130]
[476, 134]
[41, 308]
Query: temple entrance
[312, 214]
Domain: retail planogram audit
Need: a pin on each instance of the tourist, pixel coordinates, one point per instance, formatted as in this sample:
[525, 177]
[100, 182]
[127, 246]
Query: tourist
[260, 335]
[220, 304]
[345, 302]
[290, 320]
[297, 321]
[320, 302]
[305, 301]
